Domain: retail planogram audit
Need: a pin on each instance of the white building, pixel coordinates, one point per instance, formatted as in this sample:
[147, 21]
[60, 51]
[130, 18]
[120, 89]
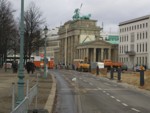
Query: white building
[52, 43]
[134, 41]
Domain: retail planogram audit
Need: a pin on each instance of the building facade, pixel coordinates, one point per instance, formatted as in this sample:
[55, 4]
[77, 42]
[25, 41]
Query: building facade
[80, 39]
[134, 41]
[52, 43]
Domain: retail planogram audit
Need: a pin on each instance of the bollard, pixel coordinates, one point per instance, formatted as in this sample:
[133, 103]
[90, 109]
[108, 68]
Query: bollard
[141, 77]
[97, 70]
[35, 111]
[119, 74]
[111, 73]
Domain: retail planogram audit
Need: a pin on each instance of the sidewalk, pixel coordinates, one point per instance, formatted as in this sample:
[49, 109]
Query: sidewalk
[6, 79]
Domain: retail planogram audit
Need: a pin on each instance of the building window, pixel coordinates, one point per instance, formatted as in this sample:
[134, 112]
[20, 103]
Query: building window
[120, 49]
[143, 35]
[140, 25]
[145, 60]
[140, 35]
[137, 36]
[146, 47]
[120, 59]
[132, 37]
[146, 34]
[132, 27]
[137, 47]
[127, 47]
[140, 60]
[137, 60]
[137, 26]
[124, 48]
[127, 38]
[140, 47]
[146, 24]
[143, 25]
[143, 47]
[120, 38]
[132, 47]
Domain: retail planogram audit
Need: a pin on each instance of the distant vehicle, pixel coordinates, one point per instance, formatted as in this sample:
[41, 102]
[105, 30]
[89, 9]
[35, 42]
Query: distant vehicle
[81, 65]
[39, 62]
[108, 63]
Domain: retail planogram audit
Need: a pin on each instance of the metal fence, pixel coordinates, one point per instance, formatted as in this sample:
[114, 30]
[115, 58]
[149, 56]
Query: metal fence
[23, 106]
[32, 93]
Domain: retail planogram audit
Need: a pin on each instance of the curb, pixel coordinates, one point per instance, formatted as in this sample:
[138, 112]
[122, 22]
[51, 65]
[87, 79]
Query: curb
[50, 101]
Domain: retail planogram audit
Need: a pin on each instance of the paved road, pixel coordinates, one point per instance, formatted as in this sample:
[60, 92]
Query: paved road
[97, 95]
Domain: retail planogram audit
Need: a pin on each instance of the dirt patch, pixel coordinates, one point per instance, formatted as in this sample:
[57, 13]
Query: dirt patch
[6, 90]
[132, 78]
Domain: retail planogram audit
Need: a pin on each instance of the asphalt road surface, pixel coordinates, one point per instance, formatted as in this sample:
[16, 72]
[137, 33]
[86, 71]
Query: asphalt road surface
[84, 93]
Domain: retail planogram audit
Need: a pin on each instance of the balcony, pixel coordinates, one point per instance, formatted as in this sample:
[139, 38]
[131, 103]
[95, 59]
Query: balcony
[130, 53]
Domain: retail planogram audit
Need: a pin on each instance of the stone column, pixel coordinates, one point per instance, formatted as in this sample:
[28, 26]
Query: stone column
[75, 43]
[102, 54]
[94, 55]
[109, 53]
[87, 53]
[79, 53]
[84, 52]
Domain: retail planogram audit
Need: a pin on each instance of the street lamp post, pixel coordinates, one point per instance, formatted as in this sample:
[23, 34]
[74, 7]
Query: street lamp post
[45, 59]
[21, 72]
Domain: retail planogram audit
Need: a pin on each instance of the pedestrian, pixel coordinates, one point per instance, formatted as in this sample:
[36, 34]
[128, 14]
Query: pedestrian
[28, 67]
[32, 67]
[15, 66]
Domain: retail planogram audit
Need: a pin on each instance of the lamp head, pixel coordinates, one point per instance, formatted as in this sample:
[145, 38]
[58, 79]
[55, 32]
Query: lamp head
[45, 30]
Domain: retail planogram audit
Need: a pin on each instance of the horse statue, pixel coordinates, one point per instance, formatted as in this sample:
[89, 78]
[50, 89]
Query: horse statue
[86, 17]
[76, 16]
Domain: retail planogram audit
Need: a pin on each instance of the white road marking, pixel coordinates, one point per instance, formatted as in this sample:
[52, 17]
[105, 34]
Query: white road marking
[104, 91]
[118, 100]
[100, 88]
[107, 94]
[112, 96]
[124, 104]
[135, 110]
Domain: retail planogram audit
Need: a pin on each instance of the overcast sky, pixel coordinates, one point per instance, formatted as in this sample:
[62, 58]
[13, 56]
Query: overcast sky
[110, 12]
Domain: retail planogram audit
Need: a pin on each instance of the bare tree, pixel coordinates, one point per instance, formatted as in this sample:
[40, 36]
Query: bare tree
[33, 22]
[7, 27]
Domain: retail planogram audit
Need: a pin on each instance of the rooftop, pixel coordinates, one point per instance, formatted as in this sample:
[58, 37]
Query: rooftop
[134, 20]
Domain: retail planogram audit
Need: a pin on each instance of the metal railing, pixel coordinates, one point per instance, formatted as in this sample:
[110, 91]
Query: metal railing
[32, 93]
[24, 105]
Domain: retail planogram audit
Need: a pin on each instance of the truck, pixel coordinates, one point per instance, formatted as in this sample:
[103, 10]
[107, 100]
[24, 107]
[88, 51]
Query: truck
[109, 63]
[81, 65]
[39, 62]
